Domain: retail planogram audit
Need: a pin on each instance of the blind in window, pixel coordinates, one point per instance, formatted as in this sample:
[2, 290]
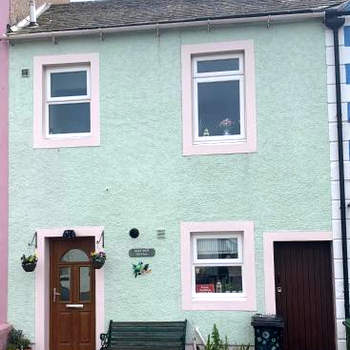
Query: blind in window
[217, 248]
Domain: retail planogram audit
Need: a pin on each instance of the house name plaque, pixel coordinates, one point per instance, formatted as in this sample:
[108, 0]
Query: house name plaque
[142, 252]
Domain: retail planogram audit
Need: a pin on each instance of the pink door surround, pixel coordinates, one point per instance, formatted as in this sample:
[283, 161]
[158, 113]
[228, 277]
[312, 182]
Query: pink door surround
[4, 49]
[42, 283]
[269, 260]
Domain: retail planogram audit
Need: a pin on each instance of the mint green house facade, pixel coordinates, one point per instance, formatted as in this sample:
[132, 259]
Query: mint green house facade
[146, 161]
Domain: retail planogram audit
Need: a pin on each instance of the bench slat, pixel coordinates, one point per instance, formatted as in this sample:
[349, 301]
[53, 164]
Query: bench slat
[146, 336]
[145, 347]
[148, 330]
[153, 323]
[142, 342]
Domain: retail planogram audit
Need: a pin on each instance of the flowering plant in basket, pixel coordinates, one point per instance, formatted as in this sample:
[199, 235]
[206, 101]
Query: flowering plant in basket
[29, 262]
[98, 259]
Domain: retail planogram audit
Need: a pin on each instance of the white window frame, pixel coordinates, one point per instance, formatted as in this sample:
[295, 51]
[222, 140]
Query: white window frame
[231, 301]
[66, 99]
[41, 83]
[230, 75]
[216, 262]
[218, 235]
[246, 142]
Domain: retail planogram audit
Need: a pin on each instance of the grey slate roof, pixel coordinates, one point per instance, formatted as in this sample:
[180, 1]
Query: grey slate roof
[116, 13]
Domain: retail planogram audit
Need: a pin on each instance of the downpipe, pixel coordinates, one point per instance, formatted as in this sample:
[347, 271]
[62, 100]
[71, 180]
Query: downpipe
[334, 22]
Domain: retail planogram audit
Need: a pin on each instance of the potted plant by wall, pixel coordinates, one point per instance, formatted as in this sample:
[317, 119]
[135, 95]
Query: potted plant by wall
[29, 262]
[214, 341]
[98, 259]
[17, 341]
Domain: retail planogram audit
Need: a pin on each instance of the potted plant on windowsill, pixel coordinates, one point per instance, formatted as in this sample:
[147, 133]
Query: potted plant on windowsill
[98, 259]
[226, 125]
[29, 262]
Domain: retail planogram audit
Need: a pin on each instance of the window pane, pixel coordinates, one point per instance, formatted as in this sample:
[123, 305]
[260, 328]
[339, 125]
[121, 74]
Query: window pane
[217, 248]
[218, 108]
[218, 279]
[75, 255]
[64, 276]
[84, 283]
[69, 118]
[218, 65]
[69, 84]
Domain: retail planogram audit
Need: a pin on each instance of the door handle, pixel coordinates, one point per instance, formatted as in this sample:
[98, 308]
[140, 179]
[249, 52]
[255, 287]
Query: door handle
[75, 306]
[279, 289]
[55, 294]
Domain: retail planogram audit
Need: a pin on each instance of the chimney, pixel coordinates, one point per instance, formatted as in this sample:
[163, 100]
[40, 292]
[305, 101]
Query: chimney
[32, 16]
[19, 9]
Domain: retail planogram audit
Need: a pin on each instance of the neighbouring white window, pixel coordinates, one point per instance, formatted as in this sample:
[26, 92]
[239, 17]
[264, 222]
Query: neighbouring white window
[218, 96]
[217, 265]
[68, 101]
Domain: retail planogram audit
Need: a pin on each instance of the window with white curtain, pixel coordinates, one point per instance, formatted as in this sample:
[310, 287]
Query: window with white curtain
[217, 265]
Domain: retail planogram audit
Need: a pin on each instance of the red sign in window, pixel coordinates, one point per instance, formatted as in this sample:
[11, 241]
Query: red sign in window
[205, 288]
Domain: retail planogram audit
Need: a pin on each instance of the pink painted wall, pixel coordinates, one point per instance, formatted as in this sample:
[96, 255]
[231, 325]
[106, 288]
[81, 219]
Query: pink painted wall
[4, 329]
[4, 50]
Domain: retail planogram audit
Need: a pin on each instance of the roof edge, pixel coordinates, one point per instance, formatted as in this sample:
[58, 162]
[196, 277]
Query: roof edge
[268, 18]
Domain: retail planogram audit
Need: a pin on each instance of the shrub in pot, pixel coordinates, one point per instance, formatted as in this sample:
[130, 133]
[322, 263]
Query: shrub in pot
[214, 341]
[17, 341]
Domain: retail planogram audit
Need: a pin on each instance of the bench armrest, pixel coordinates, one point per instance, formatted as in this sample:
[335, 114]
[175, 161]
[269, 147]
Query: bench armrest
[104, 340]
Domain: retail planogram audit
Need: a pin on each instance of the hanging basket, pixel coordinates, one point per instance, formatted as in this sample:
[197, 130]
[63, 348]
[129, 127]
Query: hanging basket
[29, 262]
[98, 263]
[98, 259]
[29, 266]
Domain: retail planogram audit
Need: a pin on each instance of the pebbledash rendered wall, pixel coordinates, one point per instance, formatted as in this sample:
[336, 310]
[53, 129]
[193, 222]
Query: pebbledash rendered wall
[139, 178]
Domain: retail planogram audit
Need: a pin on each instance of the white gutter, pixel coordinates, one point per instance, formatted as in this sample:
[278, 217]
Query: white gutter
[25, 22]
[100, 31]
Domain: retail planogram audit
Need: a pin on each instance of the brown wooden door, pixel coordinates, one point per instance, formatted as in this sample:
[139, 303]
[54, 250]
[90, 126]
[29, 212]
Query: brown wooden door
[304, 294]
[72, 295]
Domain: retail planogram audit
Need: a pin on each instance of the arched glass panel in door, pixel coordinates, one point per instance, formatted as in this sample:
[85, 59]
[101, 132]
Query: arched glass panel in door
[75, 255]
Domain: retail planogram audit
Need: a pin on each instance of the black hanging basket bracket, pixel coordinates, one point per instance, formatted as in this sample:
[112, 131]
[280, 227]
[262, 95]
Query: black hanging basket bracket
[34, 241]
[101, 239]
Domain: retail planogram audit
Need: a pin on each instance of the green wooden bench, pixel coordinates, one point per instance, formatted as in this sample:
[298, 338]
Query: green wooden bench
[144, 336]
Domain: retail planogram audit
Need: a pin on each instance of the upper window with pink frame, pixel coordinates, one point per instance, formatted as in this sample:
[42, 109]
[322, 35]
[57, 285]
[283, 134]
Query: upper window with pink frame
[218, 98]
[66, 101]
